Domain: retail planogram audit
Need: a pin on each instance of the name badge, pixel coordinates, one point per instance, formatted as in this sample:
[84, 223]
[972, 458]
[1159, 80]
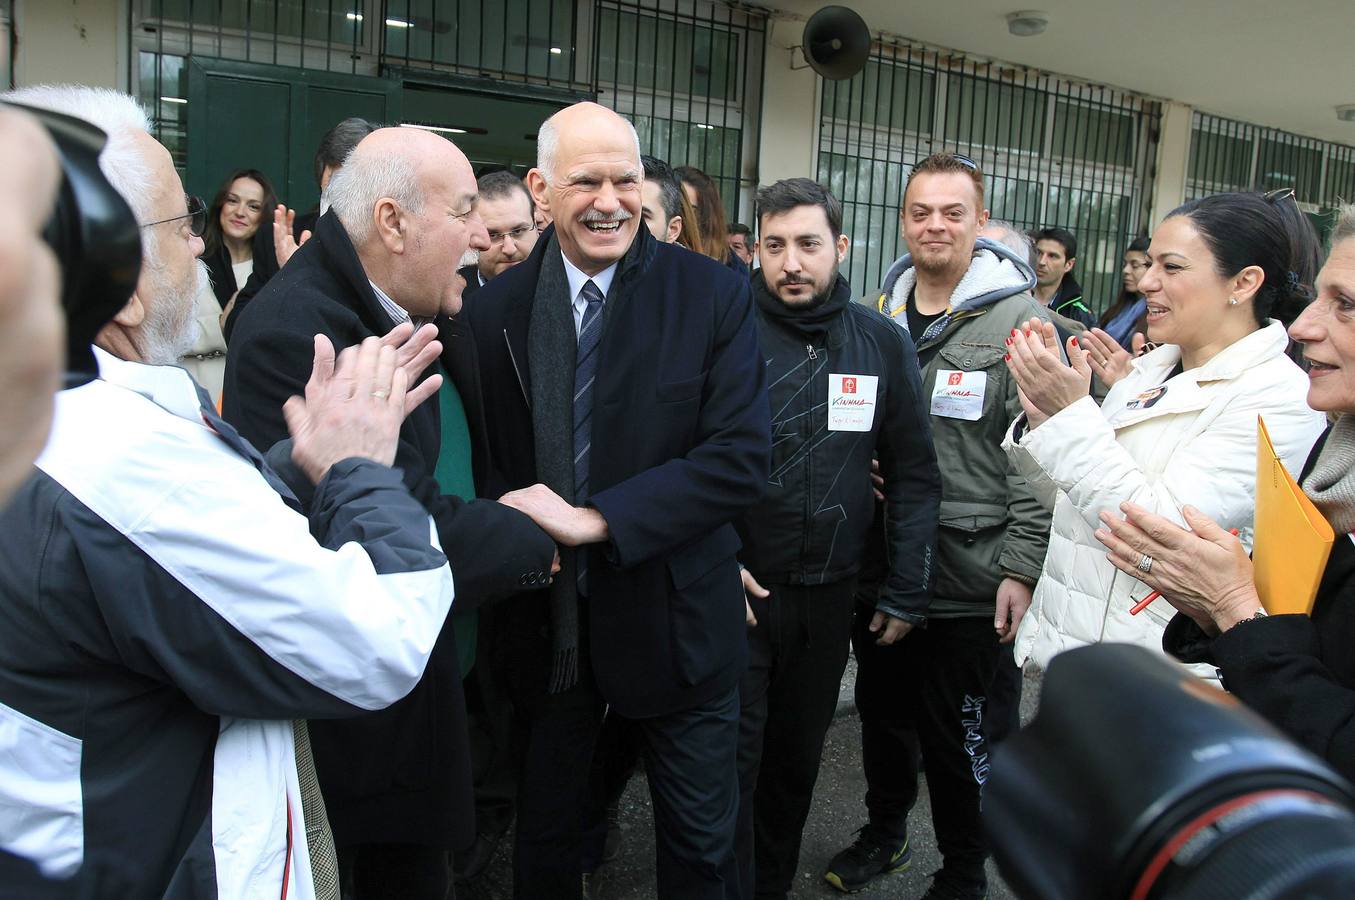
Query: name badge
[851, 402]
[959, 395]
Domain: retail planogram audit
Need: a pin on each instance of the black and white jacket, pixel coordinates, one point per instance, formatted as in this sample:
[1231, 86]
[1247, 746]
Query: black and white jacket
[165, 611]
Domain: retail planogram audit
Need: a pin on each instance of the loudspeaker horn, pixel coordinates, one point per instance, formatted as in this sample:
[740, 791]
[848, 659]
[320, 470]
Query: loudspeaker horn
[836, 42]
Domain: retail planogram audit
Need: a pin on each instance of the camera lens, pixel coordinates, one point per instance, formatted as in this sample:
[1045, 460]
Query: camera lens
[1137, 780]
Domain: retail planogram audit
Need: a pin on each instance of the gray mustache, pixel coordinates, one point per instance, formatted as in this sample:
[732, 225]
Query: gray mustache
[592, 215]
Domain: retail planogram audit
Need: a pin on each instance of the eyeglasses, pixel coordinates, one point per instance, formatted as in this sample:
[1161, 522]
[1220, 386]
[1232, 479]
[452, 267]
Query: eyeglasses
[517, 234]
[1279, 194]
[197, 216]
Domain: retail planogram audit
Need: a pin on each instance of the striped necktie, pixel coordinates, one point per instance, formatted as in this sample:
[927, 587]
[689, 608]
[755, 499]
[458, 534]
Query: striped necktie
[585, 372]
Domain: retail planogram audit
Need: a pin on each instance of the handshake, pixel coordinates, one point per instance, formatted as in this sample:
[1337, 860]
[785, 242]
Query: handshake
[356, 402]
[568, 525]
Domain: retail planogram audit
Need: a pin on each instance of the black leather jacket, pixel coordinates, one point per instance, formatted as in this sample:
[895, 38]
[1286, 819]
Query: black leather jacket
[815, 519]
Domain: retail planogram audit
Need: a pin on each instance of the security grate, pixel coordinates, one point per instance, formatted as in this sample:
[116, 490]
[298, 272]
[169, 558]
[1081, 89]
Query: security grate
[1230, 155]
[687, 72]
[1053, 152]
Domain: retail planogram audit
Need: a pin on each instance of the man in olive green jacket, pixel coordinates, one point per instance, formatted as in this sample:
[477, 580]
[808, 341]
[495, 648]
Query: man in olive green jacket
[959, 298]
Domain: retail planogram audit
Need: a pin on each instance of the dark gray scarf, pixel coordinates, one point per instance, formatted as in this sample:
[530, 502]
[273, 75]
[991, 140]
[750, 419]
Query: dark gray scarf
[551, 344]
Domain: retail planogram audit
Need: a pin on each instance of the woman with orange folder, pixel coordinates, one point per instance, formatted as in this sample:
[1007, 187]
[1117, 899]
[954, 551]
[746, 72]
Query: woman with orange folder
[1226, 272]
[1297, 671]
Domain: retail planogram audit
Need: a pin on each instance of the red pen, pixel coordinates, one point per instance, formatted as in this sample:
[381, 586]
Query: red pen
[1143, 604]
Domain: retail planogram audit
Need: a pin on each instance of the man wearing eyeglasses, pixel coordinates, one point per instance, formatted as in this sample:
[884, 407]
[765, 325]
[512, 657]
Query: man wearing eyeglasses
[403, 209]
[169, 612]
[505, 207]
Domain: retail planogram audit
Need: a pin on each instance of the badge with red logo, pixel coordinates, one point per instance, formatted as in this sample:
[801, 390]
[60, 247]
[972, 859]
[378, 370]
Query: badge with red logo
[851, 402]
[959, 394]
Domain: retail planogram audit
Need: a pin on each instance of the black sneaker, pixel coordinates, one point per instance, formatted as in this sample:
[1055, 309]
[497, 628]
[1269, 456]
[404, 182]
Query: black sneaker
[950, 886]
[874, 853]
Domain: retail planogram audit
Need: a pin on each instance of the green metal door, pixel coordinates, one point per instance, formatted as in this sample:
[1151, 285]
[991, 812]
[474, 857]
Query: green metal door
[271, 118]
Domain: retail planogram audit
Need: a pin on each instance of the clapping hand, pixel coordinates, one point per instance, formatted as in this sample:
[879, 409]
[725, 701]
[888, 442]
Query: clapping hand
[1046, 383]
[353, 407]
[1107, 358]
[284, 245]
[414, 352]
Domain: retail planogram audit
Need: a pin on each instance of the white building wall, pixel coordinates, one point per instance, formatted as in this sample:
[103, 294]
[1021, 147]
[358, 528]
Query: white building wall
[71, 41]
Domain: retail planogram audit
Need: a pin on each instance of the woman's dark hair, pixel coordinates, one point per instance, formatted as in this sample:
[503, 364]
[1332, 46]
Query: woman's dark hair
[211, 238]
[1266, 230]
[710, 214]
[1125, 297]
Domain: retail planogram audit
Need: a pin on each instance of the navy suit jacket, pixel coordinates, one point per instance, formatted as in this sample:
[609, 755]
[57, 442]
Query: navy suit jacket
[680, 448]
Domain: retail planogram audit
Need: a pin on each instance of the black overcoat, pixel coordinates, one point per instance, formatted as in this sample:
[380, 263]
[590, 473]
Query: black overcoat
[680, 448]
[402, 774]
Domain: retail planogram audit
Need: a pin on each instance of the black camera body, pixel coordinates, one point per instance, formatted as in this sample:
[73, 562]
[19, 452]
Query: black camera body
[94, 236]
[1138, 780]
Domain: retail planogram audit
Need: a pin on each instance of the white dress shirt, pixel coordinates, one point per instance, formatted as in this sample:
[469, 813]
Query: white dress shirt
[577, 279]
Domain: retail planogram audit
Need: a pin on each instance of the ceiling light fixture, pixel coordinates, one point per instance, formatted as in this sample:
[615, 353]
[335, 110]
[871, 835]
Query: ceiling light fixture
[354, 17]
[438, 128]
[556, 50]
[1027, 22]
[707, 127]
[398, 23]
[1346, 112]
[174, 99]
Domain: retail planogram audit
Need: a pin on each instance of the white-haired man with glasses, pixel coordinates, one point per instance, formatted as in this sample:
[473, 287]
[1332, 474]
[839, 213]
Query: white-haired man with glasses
[171, 613]
[403, 209]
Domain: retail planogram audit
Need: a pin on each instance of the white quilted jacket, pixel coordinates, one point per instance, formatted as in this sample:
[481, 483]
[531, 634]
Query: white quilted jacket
[1192, 443]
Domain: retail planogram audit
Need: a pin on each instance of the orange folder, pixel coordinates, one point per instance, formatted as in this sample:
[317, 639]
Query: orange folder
[1293, 539]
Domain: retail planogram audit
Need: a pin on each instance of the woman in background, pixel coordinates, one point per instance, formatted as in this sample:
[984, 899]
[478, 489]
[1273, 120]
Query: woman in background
[232, 242]
[712, 229]
[1128, 315]
[244, 202]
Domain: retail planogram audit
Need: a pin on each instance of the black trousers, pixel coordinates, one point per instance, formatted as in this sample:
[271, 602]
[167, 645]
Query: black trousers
[1004, 698]
[928, 692]
[689, 757]
[615, 760]
[788, 696]
[394, 872]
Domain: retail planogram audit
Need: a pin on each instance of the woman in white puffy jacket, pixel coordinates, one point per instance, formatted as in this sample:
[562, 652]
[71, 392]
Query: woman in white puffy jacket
[1179, 424]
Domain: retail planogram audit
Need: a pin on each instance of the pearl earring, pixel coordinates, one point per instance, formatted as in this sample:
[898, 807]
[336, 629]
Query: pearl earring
[1232, 301]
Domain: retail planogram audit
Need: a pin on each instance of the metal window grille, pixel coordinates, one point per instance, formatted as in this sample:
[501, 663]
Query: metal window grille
[1229, 155]
[687, 72]
[689, 75]
[1053, 152]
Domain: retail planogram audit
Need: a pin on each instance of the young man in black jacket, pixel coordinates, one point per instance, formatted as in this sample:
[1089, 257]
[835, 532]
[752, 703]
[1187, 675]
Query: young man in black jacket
[844, 387]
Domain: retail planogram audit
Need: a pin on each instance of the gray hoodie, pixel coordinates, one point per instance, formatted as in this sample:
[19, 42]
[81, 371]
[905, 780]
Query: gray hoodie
[991, 523]
[995, 272]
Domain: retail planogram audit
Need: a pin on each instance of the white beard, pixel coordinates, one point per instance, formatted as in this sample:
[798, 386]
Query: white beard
[171, 326]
